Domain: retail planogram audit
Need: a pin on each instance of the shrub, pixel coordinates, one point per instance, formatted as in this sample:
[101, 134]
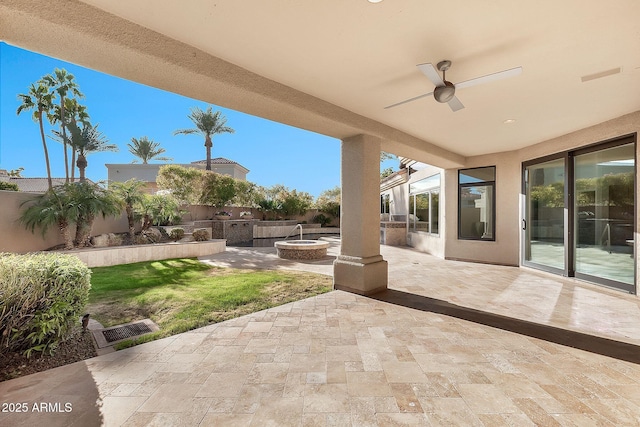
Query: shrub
[184, 183]
[176, 234]
[42, 296]
[281, 201]
[159, 210]
[329, 202]
[322, 219]
[200, 235]
[8, 186]
[217, 189]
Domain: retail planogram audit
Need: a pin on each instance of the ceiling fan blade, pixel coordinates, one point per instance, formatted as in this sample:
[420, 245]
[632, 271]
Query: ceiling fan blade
[408, 100]
[432, 74]
[455, 104]
[490, 78]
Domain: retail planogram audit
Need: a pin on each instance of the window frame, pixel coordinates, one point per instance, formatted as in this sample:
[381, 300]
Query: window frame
[385, 203]
[429, 191]
[490, 184]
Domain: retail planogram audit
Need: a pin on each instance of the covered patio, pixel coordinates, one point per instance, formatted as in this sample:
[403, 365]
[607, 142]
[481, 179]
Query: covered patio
[568, 81]
[344, 359]
[437, 342]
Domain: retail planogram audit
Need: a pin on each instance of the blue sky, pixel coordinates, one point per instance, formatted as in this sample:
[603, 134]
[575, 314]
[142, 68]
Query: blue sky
[274, 153]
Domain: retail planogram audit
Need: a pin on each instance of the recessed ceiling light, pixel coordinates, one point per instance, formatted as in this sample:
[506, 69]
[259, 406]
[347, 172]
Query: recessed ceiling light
[509, 121]
[374, 1]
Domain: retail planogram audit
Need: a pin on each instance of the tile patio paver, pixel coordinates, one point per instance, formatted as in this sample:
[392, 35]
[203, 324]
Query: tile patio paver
[343, 359]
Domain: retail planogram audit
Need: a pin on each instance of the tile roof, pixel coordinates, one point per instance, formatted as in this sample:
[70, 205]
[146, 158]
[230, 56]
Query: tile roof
[216, 161]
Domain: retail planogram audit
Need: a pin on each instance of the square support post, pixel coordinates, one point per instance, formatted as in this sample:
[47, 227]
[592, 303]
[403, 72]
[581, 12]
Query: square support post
[360, 268]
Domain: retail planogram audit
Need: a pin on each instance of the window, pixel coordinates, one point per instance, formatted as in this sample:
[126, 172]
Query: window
[477, 203]
[384, 203]
[424, 206]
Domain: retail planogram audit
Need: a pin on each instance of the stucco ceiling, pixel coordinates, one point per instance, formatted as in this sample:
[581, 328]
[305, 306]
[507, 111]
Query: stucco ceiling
[362, 57]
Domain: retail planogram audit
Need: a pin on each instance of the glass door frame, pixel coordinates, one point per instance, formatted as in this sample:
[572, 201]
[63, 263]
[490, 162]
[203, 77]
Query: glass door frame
[569, 212]
[525, 226]
[617, 142]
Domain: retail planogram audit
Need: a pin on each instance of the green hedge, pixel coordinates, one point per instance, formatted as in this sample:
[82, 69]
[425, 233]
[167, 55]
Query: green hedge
[41, 296]
[8, 186]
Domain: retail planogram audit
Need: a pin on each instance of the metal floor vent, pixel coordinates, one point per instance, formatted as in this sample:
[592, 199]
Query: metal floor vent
[124, 332]
[115, 334]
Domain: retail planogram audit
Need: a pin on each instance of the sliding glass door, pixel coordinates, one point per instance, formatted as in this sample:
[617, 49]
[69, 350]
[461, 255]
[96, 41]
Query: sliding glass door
[579, 214]
[544, 222]
[604, 203]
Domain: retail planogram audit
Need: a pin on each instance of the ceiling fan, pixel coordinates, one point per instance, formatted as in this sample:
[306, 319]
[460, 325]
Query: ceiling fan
[446, 91]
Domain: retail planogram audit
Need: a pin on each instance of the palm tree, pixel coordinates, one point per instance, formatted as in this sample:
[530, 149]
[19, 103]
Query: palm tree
[74, 113]
[86, 140]
[52, 208]
[207, 124]
[62, 83]
[146, 149]
[41, 101]
[131, 194]
[91, 200]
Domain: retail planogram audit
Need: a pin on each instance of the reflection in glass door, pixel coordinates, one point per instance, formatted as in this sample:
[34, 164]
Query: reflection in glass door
[544, 226]
[579, 214]
[604, 214]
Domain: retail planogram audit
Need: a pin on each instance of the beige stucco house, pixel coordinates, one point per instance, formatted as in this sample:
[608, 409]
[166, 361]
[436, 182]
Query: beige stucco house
[121, 172]
[537, 169]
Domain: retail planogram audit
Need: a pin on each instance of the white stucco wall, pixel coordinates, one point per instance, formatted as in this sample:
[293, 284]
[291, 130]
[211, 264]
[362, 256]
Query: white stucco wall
[121, 172]
[429, 243]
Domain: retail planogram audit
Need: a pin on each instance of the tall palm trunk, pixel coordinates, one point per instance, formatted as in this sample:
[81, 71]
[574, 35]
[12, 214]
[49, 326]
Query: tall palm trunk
[82, 165]
[131, 220]
[73, 162]
[208, 143]
[65, 231]
[46, 151]
[64, 140]
[83, 230]
[73, 155]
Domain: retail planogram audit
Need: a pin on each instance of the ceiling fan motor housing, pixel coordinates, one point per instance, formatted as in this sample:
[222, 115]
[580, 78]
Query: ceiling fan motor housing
[444, 93]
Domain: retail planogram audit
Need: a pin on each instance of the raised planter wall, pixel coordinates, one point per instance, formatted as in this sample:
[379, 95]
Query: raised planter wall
[104, 257]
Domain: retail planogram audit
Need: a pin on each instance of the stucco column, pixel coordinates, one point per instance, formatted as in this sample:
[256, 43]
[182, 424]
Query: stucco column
[360, 267]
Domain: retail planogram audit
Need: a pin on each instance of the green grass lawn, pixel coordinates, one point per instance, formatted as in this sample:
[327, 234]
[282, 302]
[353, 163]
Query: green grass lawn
[183, 294]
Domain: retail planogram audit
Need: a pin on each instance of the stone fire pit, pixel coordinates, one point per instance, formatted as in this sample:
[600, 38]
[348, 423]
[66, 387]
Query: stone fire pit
[302, 249]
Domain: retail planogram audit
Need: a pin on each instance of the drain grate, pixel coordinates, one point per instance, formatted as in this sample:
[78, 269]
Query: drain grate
[113, 335]
[126, 331]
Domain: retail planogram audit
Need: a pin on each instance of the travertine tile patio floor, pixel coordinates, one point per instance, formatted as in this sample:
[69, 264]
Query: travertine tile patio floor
[340, 359]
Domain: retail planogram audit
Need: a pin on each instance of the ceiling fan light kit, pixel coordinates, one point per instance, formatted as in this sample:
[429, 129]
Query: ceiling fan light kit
[445, 91]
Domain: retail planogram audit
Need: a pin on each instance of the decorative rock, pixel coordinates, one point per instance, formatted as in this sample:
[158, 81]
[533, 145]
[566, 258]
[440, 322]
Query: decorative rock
[100, 241]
